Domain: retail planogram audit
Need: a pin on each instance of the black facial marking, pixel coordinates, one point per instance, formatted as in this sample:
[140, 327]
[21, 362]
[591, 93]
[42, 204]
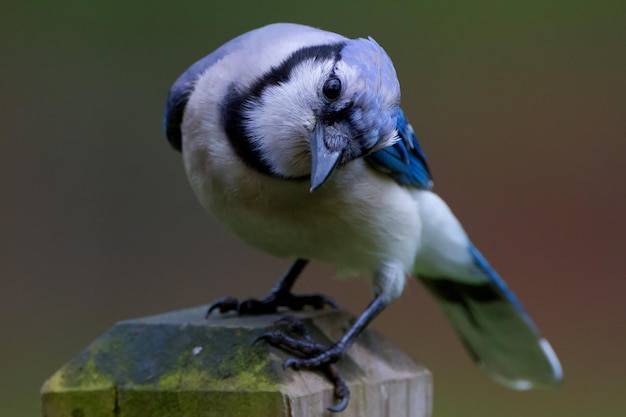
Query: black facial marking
[334, 114]
[282, 73]
[235, 102]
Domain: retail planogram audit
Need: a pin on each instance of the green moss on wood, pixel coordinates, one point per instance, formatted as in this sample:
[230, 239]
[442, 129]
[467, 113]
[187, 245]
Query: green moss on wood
[165, 369]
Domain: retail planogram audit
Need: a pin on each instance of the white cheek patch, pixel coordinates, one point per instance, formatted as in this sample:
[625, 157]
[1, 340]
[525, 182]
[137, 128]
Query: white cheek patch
[280, 121]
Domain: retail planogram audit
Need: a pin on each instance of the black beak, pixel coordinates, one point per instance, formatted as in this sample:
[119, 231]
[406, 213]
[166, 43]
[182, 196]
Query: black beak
[323, 159]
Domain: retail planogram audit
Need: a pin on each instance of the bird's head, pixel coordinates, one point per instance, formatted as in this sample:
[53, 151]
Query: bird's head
[322, 107]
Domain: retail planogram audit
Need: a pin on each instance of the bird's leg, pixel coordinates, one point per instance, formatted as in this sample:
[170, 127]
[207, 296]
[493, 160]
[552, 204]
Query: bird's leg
[279, 296]
[304, 344]
[315, 355]
[333, 353]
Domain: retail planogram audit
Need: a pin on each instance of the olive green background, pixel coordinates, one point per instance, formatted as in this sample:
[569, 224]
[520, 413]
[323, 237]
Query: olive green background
[519, 106]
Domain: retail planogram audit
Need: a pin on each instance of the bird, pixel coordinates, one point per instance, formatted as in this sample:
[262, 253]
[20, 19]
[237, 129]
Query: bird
[293, 138]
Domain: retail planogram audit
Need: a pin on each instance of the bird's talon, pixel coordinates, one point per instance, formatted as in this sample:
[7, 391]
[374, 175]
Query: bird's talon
[291, 363]
[223, 304]
[293, 325]
[343, 403]
[209, 311]
[263, 337]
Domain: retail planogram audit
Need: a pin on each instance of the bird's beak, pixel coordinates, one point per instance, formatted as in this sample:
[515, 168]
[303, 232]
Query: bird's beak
[323, 159]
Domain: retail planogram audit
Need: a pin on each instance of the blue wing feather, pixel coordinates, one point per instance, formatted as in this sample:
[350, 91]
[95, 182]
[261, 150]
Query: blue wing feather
[404, 161]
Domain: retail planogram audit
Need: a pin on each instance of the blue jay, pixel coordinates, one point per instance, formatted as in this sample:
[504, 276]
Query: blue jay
[293, 138]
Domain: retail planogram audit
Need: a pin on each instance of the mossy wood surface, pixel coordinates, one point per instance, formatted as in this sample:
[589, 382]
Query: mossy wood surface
[179, 364]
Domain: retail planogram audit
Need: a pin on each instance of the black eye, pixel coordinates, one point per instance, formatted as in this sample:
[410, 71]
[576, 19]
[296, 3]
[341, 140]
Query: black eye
[332, 88]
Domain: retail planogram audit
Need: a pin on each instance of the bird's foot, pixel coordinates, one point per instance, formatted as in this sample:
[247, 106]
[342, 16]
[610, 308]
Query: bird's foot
[296, 339]
[270, 303]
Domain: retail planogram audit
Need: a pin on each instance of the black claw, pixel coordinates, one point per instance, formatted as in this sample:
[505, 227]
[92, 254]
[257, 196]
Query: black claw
[330, 302]
[224, 304]
[291, 363]
[290, 321]
[342, 392]
[294, 326]
[343, 403]
[264, 336]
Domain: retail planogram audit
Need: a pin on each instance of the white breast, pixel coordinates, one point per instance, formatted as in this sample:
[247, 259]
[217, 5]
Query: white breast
[355, 221]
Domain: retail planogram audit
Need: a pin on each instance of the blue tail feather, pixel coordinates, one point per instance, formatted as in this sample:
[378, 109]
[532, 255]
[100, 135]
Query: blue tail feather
[495, 329]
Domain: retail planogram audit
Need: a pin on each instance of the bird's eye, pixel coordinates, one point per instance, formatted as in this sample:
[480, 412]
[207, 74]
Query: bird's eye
[332, 88]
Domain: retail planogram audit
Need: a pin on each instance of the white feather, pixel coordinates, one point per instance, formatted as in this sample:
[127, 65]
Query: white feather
[443, 251]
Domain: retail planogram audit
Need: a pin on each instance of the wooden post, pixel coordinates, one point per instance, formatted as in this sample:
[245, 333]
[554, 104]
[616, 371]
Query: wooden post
[179, 364]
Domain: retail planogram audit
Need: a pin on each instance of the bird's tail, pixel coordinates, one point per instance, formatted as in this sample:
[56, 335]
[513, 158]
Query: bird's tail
[487, 316]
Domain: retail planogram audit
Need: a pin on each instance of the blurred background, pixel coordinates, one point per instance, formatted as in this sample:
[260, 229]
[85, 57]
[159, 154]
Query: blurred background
[519, 106]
